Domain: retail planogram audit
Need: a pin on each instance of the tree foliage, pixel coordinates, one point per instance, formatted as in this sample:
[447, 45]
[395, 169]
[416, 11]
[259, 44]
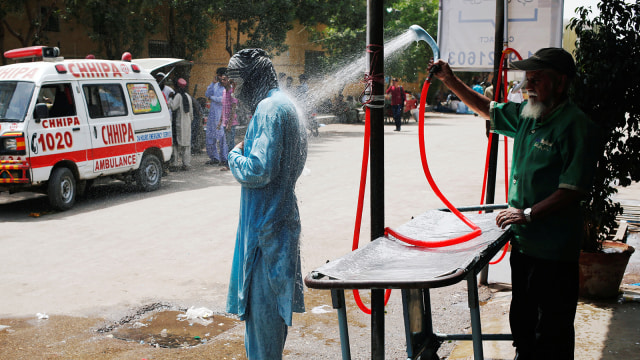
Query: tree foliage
[117, 25]
[345, 34]
[256, 24]
[33, 33]
[400, 16]
[608, 90]
[123, 25]
[190, 23]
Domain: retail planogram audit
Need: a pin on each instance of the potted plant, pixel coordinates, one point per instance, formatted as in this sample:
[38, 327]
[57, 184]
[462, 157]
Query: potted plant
[607, 88]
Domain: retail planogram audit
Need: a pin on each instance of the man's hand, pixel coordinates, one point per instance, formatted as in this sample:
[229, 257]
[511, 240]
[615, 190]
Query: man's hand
[442, 70]
[510, 216]
[240, 146]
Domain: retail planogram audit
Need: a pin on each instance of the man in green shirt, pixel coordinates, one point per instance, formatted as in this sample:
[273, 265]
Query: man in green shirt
[554, 155]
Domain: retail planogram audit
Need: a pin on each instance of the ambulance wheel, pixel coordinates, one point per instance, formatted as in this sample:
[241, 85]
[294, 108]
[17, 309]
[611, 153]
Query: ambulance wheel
[149, 174]
[62, 189]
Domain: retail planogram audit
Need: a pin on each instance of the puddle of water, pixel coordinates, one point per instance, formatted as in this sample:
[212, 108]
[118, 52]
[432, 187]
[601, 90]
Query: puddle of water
[165, 329]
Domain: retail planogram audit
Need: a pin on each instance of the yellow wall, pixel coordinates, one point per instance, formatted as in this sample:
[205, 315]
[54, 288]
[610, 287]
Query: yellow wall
[74, 42]
[290, 62]
[72, 38]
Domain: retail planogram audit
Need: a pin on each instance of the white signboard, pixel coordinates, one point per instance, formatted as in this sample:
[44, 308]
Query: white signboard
[467, 30]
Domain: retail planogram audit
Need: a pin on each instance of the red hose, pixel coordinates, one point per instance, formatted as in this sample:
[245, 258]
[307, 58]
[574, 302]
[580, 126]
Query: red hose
[502, 77]
[504, 252]
[425, 167]
[363, 183]
[476, 231]
[501, 72]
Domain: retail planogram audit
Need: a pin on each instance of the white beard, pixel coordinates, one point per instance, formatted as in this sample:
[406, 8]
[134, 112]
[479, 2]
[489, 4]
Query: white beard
[533, 110]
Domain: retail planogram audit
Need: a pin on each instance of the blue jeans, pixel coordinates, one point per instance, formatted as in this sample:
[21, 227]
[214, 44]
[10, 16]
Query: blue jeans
[397, 115]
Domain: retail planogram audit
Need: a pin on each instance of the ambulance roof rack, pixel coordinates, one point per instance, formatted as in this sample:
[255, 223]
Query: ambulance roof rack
[45, 52]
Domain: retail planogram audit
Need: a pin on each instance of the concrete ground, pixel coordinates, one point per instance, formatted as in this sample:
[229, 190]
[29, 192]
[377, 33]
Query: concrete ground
[118, 253]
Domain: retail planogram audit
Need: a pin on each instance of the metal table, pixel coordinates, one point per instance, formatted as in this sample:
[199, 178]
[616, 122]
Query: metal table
[390, 264]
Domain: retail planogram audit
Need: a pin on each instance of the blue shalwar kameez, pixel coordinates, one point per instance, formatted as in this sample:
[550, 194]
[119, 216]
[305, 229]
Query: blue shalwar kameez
[266, 280]
[216, 143]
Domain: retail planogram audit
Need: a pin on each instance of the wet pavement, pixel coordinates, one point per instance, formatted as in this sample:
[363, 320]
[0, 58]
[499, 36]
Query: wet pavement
[96, 273]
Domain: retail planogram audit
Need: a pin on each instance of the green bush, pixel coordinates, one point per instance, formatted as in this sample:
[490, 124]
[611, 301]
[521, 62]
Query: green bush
[607, 88]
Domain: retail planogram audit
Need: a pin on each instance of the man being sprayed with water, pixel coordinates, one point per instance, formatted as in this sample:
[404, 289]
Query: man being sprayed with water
[554, 156]
[266, 280]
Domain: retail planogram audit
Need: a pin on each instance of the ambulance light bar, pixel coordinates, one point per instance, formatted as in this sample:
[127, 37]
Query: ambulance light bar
[32, 51]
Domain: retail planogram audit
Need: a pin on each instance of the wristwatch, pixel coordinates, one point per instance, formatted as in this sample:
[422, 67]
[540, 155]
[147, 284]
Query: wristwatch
[527, 214]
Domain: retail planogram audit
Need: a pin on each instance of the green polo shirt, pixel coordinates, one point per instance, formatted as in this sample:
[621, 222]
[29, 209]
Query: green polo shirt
[559, 151]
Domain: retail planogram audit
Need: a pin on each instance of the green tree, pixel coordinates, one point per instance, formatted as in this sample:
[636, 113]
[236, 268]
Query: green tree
[345, 34]
[190, 23]
[400, 16]
[117, 25]
[607, 88]
[37, 20]
[123, 25]
[256, 24]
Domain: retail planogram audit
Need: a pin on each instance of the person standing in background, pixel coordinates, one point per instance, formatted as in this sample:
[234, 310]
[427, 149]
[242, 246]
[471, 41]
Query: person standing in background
[229, 117]
[182, 104]
[197, 129]
[216, 144]
[397, 102]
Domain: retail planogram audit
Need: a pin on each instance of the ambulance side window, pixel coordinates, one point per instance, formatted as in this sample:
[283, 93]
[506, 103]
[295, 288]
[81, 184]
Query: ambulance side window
[59, 99]
[104, 100]
[143, 98]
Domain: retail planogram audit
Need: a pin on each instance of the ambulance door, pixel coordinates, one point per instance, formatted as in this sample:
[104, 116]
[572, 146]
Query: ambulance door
[151, 124]
[112, 132]
[63, 135]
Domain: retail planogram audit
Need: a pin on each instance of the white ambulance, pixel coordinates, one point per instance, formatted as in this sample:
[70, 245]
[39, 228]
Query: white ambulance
[64, 123]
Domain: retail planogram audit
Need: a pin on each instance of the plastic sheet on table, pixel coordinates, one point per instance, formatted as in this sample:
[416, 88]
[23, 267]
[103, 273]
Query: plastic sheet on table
[387, 260]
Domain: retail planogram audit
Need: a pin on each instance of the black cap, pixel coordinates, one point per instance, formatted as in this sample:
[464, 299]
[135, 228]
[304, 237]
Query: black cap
[548, 58]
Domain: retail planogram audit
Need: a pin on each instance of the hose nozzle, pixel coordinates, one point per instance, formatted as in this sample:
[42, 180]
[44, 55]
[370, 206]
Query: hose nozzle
[421, 34]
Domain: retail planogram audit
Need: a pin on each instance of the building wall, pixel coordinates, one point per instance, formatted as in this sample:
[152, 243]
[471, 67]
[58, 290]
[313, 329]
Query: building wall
[74, 42]
[290, 62]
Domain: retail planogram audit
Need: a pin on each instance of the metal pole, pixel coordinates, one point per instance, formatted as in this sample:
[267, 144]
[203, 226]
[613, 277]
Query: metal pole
[476, 326]
[375, 41]
[376, 63]
[337, 297]
[493, 159]
[493, 154]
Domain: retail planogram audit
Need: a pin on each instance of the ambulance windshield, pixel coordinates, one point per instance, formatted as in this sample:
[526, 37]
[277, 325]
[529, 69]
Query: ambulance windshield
[14, 100]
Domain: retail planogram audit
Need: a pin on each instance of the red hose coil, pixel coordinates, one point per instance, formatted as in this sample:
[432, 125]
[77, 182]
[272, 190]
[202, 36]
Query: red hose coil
[476, 231]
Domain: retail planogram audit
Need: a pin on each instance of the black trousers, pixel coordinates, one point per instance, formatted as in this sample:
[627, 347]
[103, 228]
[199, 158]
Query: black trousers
[397, 115]
[543, 307]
